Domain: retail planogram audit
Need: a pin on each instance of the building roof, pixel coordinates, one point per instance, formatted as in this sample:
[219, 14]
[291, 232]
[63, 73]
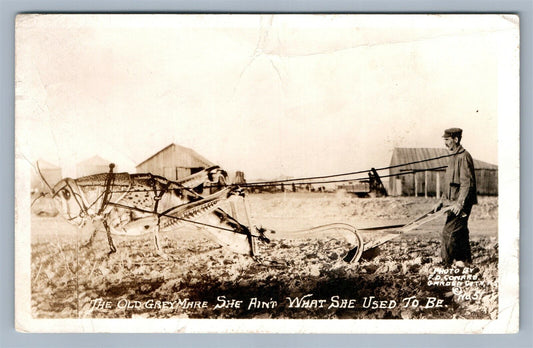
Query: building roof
[183, 149]
[407, 155]
[94, 161]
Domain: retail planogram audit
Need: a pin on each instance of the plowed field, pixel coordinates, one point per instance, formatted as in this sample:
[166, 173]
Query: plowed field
[299, 278]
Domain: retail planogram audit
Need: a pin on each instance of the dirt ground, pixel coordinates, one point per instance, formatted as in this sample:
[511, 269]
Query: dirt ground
[302, 277]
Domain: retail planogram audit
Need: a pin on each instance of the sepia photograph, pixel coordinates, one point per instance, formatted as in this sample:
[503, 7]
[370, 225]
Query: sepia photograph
[267, 173]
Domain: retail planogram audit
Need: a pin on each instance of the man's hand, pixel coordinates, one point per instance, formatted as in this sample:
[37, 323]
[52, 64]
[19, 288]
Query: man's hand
[456, 208]
[437, 207]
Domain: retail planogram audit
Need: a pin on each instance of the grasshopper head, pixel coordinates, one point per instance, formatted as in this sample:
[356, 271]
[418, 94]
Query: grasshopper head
[68, 199]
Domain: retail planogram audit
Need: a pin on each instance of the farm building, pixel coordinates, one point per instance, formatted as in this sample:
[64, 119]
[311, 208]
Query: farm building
[174, 162]
[51, 173]
[93, 165]
[427, 180]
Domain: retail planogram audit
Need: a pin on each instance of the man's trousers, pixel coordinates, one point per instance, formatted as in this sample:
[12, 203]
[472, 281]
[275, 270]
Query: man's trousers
[455, 240]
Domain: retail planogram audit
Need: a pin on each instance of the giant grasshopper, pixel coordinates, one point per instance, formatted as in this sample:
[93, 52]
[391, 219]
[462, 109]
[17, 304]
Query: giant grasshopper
[136, 204]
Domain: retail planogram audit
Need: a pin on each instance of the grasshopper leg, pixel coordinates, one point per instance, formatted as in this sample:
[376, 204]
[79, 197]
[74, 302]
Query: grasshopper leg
[91, 238]
[158, 249]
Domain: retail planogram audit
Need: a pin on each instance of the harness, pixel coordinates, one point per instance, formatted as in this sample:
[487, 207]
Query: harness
[108, 183]
[81, 200]
[84, 210]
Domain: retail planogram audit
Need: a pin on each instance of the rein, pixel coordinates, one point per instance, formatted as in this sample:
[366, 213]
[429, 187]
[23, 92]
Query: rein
[84, 211]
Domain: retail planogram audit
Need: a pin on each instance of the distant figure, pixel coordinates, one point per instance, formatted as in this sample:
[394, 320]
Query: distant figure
[239, 178]
[460, 192]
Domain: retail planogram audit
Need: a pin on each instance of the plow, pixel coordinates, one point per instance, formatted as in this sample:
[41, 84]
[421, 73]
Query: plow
[146, 204]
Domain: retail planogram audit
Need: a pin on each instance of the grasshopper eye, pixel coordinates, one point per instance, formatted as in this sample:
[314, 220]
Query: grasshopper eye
[66, 194]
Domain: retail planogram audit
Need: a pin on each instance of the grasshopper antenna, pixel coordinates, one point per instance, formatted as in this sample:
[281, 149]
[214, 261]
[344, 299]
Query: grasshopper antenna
[41, 195]
[43, 179]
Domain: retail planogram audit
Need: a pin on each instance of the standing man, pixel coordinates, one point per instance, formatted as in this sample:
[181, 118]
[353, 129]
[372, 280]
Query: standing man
[460, 192]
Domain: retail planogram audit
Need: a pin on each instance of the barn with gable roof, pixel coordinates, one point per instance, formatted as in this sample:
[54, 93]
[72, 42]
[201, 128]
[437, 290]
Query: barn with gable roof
[174, 162]
[426, 178]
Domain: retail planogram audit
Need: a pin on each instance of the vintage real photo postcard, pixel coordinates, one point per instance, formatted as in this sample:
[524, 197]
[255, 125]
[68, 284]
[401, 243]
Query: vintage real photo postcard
[267, 173]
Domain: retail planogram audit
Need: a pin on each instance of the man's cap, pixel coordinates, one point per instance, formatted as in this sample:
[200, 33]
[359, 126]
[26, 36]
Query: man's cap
[453, 132]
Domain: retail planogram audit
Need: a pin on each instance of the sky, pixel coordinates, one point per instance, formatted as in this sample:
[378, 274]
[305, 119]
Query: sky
[290, 95]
